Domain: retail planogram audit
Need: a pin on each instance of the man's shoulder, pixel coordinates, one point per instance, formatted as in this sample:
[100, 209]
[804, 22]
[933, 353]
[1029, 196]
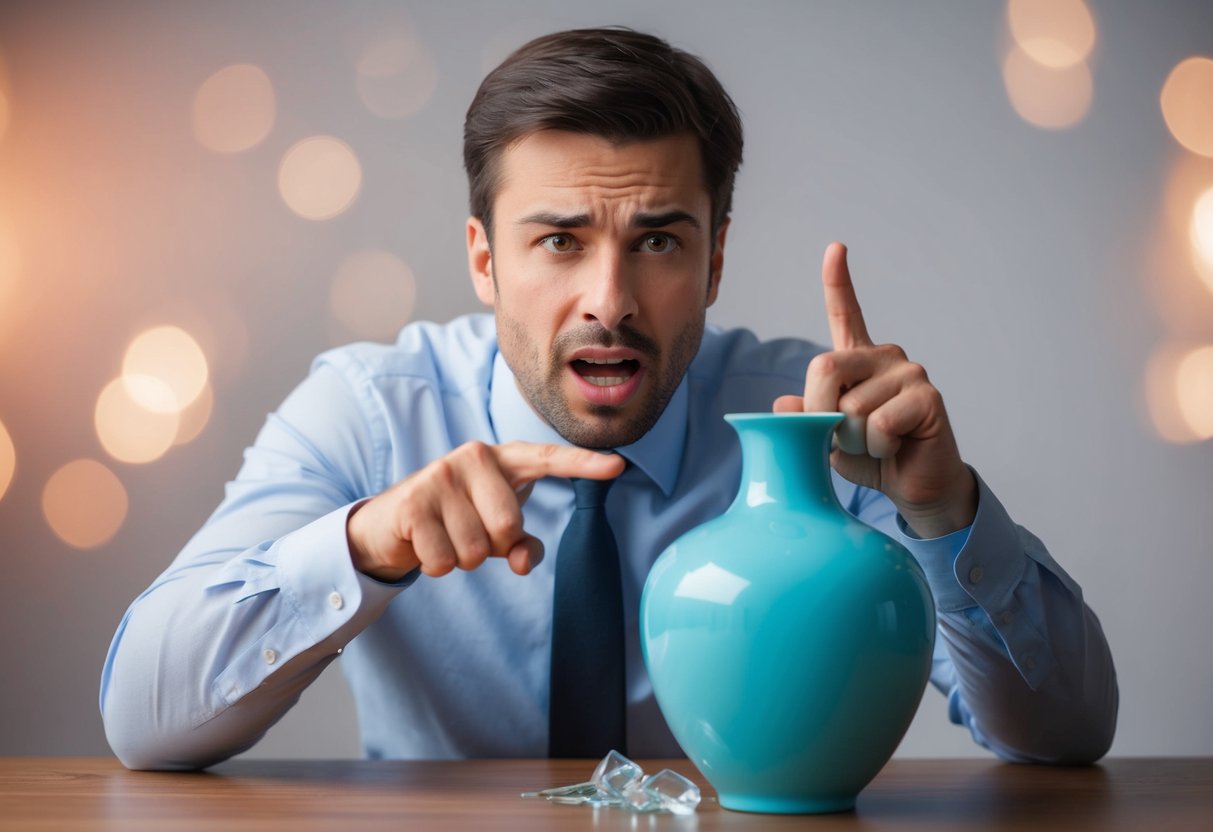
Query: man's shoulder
[450, 356]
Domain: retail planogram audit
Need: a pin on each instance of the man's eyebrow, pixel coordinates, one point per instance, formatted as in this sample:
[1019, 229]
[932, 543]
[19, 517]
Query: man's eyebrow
[663, 219]
[642, 220]
[555, 220]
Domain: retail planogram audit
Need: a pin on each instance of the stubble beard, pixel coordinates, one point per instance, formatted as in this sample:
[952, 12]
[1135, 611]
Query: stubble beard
[607, 426]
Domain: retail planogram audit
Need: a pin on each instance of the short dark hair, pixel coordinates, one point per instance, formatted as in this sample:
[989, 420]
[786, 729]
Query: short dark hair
[616, 83]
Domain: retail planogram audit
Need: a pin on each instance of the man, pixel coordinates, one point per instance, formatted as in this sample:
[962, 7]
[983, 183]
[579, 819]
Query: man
[373, 511]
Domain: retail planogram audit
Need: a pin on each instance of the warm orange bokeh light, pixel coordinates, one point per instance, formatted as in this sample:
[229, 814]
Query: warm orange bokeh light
[84, 503]
[170, 355]
[1053, 33]
[1187, 104]
[1177, 278]
[234, 109]
[397, 76]
[195, 417]
[8, 460]
[319, 177]
[128, 431]
[1194, 390]
[1179, 392]
[1201, 233]
[373, 294]
[1047, 97]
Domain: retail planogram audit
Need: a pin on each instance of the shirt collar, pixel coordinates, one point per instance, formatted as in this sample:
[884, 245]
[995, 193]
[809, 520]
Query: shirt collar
[658, 453]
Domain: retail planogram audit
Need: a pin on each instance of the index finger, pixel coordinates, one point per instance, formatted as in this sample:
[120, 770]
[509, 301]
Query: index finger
[847, 328]
[524, 462]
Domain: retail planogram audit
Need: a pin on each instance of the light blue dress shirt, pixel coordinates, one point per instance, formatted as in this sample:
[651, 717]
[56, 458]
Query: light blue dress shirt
[264, 597]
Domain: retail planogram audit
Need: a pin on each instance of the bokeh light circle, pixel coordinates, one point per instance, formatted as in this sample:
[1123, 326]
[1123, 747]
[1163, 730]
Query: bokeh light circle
[396, 76]
[171, 356]
[1176, 399]
[1053, 33]
[234, 109]
[373, 294]
[1201, 234]
[1049, 98]
[1194, 390]
[319, 177]
[8, 460]
[84, 503]
[1187, 104]
[128, 431]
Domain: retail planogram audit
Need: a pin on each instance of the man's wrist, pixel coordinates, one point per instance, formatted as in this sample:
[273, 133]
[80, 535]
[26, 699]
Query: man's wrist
[947, 517]
[360, 557]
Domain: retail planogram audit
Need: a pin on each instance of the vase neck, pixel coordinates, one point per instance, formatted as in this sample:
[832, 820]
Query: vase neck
[785, 459]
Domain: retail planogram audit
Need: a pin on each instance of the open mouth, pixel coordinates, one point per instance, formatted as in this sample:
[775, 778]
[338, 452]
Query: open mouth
[606, 372]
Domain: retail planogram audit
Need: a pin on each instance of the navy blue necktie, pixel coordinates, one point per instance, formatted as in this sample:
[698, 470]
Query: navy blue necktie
[586, 716]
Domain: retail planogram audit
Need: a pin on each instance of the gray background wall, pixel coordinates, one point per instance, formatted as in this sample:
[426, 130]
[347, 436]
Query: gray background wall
[1034, 273]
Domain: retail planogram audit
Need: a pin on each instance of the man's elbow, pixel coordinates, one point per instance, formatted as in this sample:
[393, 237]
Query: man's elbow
[141, 742]
[1059, 739]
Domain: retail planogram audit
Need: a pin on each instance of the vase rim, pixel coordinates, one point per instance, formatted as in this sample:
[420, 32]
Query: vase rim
[824, 416]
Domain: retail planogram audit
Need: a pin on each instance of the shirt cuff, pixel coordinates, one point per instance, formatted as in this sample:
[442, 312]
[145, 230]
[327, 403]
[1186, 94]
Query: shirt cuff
[326, 602]
[937, 556]
[978, 571]
[977, 566]
[320, 581]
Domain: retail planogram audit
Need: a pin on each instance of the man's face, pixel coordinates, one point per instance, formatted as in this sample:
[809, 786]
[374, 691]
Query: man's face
[600, 273]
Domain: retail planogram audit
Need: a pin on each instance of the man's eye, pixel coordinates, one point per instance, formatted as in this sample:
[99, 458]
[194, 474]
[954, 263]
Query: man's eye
[558, 243]
[659, 243]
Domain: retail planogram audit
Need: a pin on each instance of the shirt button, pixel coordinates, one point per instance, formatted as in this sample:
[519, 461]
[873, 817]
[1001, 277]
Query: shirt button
[1006, 617]
[336, 601]
[976, 574]
[1029, 663]
[269, 655]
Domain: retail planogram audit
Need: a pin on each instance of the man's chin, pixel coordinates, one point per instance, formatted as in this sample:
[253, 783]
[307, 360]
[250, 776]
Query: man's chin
[603, 428]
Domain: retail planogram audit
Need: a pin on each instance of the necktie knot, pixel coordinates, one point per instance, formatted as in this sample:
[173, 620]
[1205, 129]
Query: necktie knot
[590, 493]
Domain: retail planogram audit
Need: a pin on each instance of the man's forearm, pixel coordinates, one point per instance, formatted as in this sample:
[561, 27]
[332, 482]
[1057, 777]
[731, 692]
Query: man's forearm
[217, 651]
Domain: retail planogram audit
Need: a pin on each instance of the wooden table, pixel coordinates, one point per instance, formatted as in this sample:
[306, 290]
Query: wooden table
[65, 794]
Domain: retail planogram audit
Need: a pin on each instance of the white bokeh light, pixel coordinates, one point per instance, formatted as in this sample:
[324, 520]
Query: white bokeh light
[234, 109]
[1047, 97]
[128, 431]
[397, 76]
[319, 177]
[1053, 33]
[1201, 234]
[373, 294]
[164, 369]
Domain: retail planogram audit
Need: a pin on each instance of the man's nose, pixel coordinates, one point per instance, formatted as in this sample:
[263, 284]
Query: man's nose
[610, 296]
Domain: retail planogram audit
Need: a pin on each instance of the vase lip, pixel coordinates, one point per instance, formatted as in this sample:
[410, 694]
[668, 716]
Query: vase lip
[824, 417]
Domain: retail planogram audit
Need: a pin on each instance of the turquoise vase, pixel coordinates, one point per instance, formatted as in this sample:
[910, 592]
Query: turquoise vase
[788, 643]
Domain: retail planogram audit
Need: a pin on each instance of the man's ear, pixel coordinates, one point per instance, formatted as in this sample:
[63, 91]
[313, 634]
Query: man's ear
[716, 264]
[480, 262]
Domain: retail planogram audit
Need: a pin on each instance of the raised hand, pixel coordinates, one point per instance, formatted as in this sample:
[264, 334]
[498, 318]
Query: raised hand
[464, 508]
[896, 436]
